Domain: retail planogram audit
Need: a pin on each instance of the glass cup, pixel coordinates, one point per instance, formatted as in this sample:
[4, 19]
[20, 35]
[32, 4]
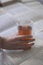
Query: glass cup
[25, 28]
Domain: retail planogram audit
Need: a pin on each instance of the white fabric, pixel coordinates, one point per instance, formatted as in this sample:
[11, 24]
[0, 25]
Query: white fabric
[37, 59]
[29, 57]
[27, 0]
[18, 14]
[2, 11]
[6, 21]
[40, 35]
[3, 1]
[21, 12]
[35, 6]
[35, 55]
[9, 32]
[38, 29]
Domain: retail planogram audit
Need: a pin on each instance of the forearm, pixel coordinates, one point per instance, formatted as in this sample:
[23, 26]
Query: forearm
[1, 42]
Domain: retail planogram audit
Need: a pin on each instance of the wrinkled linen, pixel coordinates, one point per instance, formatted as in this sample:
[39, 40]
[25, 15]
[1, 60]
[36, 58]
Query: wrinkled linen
[3, 1]
[6, 21]
[35, 55]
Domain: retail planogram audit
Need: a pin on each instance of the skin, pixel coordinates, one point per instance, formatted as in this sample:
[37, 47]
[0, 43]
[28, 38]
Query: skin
[15, 44]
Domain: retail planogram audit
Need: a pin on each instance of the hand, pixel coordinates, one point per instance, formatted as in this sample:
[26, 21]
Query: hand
[18, 43]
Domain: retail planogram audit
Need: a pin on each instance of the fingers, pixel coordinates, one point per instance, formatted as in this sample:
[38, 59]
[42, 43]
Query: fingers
[17, 46]
[12, 45]
[19, 41]
[20, 37]
[16, 43]
[27, 46]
